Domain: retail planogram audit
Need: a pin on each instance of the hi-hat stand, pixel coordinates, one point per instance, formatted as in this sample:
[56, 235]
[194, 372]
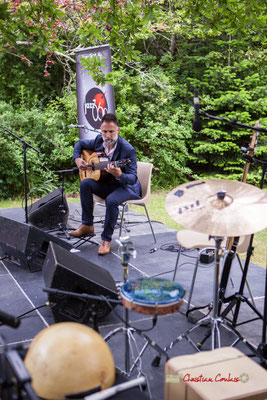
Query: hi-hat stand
[25, 145]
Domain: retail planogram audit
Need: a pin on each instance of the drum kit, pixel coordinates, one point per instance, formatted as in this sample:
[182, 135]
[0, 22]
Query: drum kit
[219, 208]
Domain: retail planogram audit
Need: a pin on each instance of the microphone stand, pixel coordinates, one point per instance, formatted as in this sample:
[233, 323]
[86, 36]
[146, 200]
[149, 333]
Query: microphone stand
[233, 122]
[25, 146]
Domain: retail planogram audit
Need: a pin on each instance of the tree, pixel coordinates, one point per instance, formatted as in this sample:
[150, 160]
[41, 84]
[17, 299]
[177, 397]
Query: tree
[57, 28]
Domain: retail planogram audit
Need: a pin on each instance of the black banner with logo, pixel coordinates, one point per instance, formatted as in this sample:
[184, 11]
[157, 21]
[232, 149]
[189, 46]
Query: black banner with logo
[93, 101]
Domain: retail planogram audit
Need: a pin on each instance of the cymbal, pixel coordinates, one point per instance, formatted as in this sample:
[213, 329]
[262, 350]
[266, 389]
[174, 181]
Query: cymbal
[218, 207]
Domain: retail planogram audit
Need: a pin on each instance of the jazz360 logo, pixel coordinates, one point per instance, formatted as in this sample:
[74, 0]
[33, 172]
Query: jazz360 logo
[95, 106]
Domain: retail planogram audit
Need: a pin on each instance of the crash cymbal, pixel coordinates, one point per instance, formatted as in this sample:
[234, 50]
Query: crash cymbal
[218, 207]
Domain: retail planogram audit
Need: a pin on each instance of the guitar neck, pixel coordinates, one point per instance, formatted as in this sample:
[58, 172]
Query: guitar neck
[102, 165]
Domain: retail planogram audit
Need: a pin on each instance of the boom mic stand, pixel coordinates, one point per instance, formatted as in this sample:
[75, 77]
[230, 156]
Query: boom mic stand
[25, 146]
[237, 298]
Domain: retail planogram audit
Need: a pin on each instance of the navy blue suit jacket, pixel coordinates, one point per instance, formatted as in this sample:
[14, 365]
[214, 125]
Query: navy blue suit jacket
[124, 149]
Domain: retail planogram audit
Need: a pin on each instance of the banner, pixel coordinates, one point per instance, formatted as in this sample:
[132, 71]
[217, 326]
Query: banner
[93, 101]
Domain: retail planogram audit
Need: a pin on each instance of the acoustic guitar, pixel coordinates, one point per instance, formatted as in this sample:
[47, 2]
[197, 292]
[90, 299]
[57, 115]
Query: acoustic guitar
[95, 167]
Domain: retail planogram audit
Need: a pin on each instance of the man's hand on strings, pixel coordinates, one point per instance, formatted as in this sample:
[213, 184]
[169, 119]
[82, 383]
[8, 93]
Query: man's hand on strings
[81, 164]
[115, 171]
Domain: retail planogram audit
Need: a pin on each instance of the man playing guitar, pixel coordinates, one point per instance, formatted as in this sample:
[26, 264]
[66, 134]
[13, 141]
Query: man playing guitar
[117, 186]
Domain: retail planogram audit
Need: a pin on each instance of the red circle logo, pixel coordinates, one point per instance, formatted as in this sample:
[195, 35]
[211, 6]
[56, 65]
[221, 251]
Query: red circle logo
[95, 106]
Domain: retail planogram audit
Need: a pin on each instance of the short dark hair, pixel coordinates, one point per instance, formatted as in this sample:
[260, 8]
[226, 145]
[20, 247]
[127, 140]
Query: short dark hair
[109, 117]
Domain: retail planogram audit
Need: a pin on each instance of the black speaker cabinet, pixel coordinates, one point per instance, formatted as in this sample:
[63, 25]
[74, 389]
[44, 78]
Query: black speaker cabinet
[50, 211]
[25, 245]
[67, 271]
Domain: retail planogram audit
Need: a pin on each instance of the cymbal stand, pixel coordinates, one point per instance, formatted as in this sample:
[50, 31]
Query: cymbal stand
[126, 251]
[237, 298]
[215, 320]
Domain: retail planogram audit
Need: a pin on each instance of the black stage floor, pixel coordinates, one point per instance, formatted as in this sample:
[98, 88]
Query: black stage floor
[21, 290]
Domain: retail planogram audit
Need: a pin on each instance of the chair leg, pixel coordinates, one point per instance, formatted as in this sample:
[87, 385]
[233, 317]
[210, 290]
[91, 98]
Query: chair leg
[177, 261]
[247, 282]
[150, 224]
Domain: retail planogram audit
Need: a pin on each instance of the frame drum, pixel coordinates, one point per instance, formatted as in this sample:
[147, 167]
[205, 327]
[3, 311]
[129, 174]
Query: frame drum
[152, 296]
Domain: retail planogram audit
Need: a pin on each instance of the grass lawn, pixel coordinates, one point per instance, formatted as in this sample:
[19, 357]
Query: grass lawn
[156, 210]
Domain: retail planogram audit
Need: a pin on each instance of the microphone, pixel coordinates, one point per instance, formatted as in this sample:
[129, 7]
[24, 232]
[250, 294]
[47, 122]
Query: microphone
[196, 121]
[8, 319]
[76, 126]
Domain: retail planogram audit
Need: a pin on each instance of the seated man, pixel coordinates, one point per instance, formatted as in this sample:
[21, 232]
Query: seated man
[116, 187]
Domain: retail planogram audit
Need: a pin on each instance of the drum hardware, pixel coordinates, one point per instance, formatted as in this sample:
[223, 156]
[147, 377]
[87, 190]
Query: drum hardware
[224, 208]
[215, 320]
[127, 250]
[15, 381]
[236, 299]
[25, 146]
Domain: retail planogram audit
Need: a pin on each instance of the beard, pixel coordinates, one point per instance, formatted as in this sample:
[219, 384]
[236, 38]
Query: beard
[110, 142]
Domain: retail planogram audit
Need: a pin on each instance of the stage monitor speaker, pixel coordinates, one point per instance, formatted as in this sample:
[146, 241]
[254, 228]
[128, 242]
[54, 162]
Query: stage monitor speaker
[67, 271]
[25, 245]
[49, 212]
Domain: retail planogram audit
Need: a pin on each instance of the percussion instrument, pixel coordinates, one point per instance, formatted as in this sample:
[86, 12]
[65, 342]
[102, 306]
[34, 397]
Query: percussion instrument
[69, 358]
[218, 207]
[152, 296]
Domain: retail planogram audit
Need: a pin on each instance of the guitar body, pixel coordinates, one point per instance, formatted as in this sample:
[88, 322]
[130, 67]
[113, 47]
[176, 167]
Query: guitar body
[96, 168]
[90, 157]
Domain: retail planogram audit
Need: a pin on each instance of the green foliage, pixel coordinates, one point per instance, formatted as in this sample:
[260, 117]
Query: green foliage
[159, 50]
[154, 122]
[47, 131]
[23, 84]
[229, 91]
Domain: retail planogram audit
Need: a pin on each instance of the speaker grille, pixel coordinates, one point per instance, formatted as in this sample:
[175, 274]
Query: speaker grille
[66, 271]
[50, 212]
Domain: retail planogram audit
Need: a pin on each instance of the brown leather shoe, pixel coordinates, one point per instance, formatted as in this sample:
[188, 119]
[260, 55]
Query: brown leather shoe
[104, 248]
[83, 230]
